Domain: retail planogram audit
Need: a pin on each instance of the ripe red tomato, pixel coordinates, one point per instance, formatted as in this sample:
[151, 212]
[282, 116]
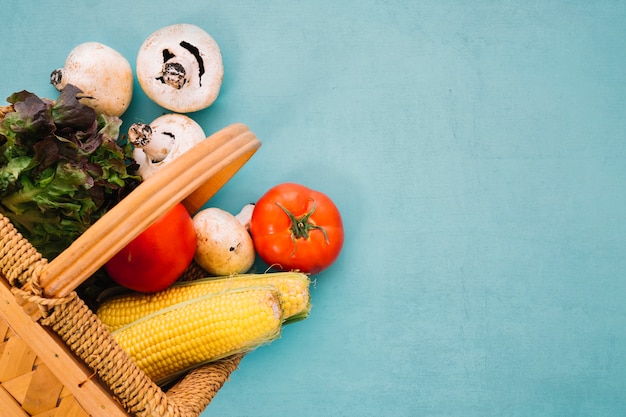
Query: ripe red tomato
[296, 228]
[158, 256]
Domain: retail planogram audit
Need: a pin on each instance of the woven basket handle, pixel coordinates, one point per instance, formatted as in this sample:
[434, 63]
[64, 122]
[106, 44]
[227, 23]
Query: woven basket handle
[192, 179]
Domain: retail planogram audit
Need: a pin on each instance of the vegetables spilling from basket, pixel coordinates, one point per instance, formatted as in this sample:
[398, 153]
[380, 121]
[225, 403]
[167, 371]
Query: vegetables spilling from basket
[63, 165]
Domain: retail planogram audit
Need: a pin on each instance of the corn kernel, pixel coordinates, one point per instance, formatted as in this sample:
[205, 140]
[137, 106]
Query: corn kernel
[185, 335]
[293, 288]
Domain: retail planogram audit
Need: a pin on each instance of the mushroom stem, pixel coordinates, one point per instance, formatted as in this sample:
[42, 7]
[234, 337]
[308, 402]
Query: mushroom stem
[139, 134]
[174, 75]
[245, 215]
[155, 146]
[55, 78]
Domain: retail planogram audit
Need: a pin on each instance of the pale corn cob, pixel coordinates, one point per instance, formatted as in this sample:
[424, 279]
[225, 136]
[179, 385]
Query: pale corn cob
[293, 288]
[185, 335]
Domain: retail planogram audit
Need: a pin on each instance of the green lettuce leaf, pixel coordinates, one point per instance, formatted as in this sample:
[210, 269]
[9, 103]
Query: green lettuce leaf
[62, 167]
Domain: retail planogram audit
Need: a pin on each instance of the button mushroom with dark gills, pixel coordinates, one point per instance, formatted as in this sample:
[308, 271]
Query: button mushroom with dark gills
[180, 68]
[164, 139]
[102, 74]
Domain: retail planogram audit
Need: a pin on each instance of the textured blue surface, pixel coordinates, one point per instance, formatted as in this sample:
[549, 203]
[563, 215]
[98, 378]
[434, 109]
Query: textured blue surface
[477, 151]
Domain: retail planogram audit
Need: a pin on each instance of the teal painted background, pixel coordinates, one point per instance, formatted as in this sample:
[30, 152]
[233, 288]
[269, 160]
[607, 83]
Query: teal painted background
[477, 151]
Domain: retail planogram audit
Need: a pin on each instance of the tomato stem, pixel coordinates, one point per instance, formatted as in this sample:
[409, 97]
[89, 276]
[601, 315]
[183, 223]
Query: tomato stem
[301, 226]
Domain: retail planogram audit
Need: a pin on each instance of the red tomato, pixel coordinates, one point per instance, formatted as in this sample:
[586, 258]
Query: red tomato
[296, 228]
[158, 256]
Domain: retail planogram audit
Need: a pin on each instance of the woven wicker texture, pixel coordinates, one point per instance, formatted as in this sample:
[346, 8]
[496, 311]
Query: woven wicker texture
[89, 339]
[27, 386]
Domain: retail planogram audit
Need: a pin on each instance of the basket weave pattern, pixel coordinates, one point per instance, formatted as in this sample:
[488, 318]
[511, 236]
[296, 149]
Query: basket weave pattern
[27, 386]
[89, 340]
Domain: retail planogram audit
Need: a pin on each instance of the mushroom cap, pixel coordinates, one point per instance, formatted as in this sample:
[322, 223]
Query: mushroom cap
[192, 46]
[224, 246]
[184, 132]
[103, 74]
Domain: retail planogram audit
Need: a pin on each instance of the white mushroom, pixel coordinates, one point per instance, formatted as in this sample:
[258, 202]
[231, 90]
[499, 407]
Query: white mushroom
[163, 140]
[103, 74]
[180, 68]
[224, 246]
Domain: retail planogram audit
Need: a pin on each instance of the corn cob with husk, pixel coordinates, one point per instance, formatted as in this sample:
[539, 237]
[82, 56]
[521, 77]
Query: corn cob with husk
[293, 289]
[175, 339]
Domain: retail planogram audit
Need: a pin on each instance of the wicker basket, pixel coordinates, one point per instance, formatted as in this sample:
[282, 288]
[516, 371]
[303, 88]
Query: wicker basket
[56, 357]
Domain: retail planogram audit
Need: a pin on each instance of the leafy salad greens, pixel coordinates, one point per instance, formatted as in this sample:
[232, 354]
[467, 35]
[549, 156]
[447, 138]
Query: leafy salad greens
[62, 166]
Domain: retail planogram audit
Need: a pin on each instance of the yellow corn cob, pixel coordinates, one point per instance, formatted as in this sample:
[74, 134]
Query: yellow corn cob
[293, 288]
[183, 336]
